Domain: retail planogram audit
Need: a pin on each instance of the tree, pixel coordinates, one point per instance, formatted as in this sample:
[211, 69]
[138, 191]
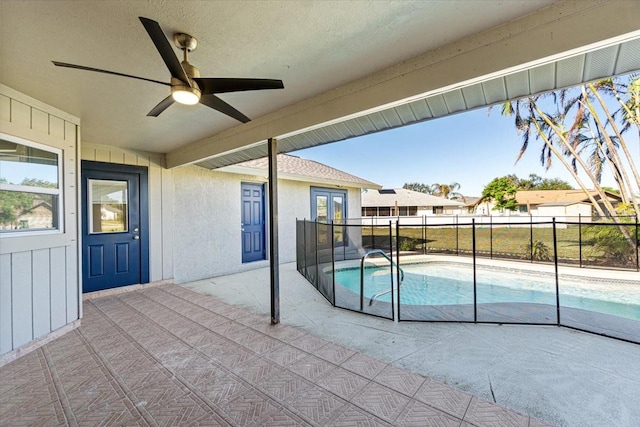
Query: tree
[502, 192]
[418, 186]
[448, 191]
[535, 182]
[11, 204]
[578, 128]
[14, 203]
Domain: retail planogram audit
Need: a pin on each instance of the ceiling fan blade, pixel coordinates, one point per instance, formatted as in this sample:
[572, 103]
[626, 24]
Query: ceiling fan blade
[98, 70]
[216, 103]
[165, 50]
[163, 105]
[209, 85]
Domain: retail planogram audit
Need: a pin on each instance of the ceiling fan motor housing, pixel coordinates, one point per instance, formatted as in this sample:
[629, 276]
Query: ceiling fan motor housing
[185, 41]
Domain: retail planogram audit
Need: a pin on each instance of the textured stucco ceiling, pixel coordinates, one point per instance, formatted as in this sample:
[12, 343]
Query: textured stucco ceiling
[312, 46]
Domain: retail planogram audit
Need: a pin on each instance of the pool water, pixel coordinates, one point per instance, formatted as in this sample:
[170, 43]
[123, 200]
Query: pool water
[442, 284]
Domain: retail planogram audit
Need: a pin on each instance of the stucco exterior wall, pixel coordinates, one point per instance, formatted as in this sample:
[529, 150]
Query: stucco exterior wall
[194, 215]
[207, 221]
[574, 210]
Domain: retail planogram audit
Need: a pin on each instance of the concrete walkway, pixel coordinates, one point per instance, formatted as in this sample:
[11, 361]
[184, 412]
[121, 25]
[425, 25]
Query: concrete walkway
[165, 355]
[558, 375]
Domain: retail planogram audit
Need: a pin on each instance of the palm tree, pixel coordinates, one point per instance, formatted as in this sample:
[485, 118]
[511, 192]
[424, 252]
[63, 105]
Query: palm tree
[448, 191]
[418, 186]
[573, 132]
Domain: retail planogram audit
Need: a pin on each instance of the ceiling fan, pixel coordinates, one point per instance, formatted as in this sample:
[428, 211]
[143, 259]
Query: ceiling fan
[187, 87]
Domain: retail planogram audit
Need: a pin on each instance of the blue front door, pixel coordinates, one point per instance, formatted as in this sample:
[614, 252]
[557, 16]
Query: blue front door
[252, 222]
[114, 226]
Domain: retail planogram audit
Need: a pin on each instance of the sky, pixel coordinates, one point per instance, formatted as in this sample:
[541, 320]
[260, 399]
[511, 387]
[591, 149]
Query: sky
[469, 148]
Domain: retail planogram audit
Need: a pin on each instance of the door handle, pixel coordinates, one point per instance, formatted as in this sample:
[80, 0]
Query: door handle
[136, 237]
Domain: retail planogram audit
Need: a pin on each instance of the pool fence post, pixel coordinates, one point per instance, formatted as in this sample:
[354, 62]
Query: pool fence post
[333, 265]
[424, 236]
[426, 248]
[637, 246]
[304, 244]
[457, 246]
[390, 240]
[373, 239]
[317, 267]
[393, 316]
[530, 237]
[555, 263]
[475, 295]
[362, 284]
[580, 240]
[490, 236]
[345, 239]
[391, 263]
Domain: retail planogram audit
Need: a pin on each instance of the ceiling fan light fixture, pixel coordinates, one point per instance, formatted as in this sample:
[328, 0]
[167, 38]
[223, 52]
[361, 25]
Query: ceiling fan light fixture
[185, 95]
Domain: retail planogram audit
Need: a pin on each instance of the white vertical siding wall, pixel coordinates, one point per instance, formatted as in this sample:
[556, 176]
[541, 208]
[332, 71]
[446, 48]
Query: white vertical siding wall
[39, 281]
[207, 216]
[160, 201]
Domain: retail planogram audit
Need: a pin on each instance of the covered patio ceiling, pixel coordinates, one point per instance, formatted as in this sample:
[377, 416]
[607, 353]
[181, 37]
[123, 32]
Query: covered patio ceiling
[614, 59]
[349, 68]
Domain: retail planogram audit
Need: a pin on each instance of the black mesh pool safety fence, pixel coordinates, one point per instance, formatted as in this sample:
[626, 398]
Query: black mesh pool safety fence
[539, 272]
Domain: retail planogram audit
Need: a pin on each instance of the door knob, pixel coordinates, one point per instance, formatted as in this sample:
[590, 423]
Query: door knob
[136, 237]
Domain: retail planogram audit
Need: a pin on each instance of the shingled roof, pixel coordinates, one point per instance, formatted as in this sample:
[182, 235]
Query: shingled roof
[299, 169]
[404, 197]
[538, 197]
[555, 197]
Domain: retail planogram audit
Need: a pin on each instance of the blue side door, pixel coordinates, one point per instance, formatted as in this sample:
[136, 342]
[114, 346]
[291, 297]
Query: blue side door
[253, 239]
[114, 227]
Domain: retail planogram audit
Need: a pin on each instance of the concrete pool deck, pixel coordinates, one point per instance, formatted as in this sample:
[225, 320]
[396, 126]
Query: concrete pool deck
[558, 375]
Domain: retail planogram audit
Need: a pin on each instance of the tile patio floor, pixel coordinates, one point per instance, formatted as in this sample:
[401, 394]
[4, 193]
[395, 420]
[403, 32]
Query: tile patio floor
[166, 355]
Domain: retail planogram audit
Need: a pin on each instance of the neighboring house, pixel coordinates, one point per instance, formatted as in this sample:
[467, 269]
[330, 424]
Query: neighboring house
[549, 203]
[37, 217]
[470, 203]
[110, 213]
[403, 202]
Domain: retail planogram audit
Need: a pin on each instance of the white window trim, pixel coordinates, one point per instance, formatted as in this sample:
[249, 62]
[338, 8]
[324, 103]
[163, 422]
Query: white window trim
[39, 190]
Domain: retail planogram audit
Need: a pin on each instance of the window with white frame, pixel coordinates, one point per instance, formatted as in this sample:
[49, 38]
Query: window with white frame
[30, 182]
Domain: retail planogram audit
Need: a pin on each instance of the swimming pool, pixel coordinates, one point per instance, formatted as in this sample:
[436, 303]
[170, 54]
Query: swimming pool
[436, 284]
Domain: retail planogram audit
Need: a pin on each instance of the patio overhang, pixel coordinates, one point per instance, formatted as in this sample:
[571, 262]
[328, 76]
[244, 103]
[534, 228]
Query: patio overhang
[546, 50]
